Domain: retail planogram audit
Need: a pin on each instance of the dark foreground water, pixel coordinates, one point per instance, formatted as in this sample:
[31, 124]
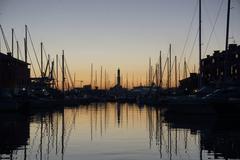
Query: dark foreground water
[117, 132]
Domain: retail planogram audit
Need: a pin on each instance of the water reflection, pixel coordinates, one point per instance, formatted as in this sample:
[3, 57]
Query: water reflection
[117, 131]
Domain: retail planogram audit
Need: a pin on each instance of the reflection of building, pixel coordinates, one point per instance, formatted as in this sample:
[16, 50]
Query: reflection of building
[218, 135]
[213, 66]
[14, 73]
[14, 132]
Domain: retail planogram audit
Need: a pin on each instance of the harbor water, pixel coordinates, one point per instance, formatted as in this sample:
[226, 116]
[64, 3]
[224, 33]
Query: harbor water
[113, 131]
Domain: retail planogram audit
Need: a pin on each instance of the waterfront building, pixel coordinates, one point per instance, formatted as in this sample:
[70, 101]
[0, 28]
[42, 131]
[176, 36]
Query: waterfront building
[14, 73]
[214, 66]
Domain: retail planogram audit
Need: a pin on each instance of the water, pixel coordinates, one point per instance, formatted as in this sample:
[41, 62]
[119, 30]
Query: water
[117, 131]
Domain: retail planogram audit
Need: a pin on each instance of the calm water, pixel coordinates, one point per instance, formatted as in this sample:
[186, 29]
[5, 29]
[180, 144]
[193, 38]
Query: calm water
[115, 132]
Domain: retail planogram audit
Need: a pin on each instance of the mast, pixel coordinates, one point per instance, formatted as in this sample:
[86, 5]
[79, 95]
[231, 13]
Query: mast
[175, 71]
[127, 81]
[101, 78]
[63, 72]
[227, 28]
[17, 50]
[25, 42]
[200, 42]
[179, 71]
[57, 70]
[150, 72]
[95, 79]
[168, 72]
[160, 68]
[41, 44]
[105, 79]
[74, 80]
[49, 67]
[185, 69]
[91, 75]
[63, 132]
[146, 78]
[227, 36]
[156, 75]
[170, 64]
[12, 41]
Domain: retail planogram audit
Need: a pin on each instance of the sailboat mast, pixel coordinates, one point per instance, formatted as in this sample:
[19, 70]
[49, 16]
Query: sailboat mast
[200, 41]
[91, 75]
[25, 42]
[170, 65]
[227, 28]
[105, 79]
[227, 36]
[41, 44]
[101, 78]
[57, 71]
[175, 71]
[12, 41]
[63, 72]
[150, 72]
[17, 50]
[160, 69]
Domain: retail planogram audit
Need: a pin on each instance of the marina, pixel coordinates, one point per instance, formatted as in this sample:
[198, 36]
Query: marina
[58, 104]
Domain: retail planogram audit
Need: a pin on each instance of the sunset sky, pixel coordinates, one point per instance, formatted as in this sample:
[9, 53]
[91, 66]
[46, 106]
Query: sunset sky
[117, 33]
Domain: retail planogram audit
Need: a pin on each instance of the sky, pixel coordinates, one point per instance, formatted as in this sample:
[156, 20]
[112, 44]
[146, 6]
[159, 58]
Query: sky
[118, 33]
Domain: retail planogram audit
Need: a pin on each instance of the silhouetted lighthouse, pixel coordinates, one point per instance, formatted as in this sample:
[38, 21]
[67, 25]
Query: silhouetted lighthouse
[118, 77]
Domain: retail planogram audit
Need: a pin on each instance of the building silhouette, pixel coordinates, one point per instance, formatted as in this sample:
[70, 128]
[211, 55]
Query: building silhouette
[14, 73]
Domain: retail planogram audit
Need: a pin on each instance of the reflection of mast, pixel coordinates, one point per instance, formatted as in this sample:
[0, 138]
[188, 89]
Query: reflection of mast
[57, 135]
[105, 117]
[185, 139]
[101, 121]
[41, 137]
[200, 146]
[170, 142]
[161, 132]
[176, 142]
[127, 116]
[91, 124]
[25, 152]
[149, 111]
[63, 130]
[96, 109]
